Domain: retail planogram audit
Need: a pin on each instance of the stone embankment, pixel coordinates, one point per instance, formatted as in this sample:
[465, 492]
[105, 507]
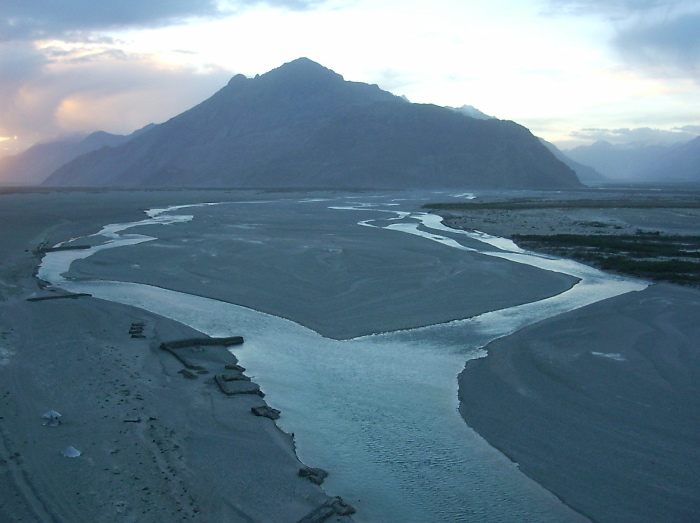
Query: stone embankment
[201, 356]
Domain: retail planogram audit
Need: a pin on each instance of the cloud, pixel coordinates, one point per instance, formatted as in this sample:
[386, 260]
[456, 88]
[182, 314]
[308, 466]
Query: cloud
[613, 9]
[19, 63]
[667, 47]
[45, 93]
[660, 38]
[392, 79]
[642, 135]
[60, 71]
[38, 19]
[695, 129]
[42, 19]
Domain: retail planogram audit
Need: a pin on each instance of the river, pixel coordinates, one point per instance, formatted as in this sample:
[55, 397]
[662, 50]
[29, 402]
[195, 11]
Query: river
[378, 410]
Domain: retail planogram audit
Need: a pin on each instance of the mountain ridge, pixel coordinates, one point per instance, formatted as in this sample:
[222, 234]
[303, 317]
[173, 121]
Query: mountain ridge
[302, 125]
[618, 162]
[37, 163]
[679, 165]
[585, 173]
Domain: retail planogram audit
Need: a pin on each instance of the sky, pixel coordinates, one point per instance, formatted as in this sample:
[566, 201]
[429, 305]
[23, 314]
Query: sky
[572, 71]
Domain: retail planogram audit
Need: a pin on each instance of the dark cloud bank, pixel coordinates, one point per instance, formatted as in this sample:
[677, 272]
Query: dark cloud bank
[672, 44]
[37, 19]
[659, 37]
[41, 19]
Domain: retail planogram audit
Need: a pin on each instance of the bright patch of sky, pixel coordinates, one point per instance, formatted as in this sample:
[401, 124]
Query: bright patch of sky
[572, 71]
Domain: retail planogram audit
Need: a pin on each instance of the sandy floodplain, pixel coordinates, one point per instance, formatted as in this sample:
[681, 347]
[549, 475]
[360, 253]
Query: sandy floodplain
[600, 405]
[155, 446]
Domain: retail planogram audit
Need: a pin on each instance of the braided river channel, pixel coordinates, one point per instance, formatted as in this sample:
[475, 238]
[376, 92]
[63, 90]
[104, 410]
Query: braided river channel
[358, 311]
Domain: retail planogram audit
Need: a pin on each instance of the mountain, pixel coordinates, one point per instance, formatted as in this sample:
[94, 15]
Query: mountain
[585, 173]
[34, 165]
[302, 125]
[471, 111]
[679, 165]
[622, 162]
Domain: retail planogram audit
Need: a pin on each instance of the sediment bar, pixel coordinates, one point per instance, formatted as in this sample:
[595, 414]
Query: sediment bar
[180, 344]
[60, 297]
[63, 248]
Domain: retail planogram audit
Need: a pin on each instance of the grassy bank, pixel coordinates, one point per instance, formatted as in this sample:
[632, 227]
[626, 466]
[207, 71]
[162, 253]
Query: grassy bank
[649, 236]
[656, 257]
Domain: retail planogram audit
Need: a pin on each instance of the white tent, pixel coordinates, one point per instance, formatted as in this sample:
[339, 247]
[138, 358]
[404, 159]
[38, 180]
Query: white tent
[70, 452]
[52, 418]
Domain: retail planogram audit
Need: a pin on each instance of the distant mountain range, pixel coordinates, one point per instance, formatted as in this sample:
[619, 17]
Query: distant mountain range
[36, 164]
[585, 173]
[680, 164]
[659, 163]
[302, 125]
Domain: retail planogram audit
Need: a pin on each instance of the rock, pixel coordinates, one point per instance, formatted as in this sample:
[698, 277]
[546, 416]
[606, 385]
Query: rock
[342, 508]
[333, 507]
[188, 374]
[235, 376]
[313, 474]
[232, 388]
[266, 412]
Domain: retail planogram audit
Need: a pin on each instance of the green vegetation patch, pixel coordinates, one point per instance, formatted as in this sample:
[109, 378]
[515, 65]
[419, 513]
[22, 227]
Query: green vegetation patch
[528, 204]
[649, 256]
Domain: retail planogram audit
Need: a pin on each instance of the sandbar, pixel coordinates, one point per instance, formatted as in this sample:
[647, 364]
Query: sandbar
[155, 444]
[600, 405]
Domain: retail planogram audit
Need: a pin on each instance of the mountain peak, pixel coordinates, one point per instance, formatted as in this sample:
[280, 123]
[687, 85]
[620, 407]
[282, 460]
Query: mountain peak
[302, 70]
[305, 64]
[238, 79]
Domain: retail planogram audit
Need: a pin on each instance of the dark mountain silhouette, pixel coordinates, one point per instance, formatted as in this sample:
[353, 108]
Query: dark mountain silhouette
[302, 125]
[34, 165]
[681, 164]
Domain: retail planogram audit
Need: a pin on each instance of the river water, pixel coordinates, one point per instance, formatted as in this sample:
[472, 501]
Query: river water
[379, 411]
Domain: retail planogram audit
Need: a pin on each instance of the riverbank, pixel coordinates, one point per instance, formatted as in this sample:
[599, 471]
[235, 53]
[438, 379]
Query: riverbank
[155, 444]
[223, 463]
[650, 235]
[599, 405]
[294, 247]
